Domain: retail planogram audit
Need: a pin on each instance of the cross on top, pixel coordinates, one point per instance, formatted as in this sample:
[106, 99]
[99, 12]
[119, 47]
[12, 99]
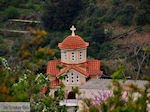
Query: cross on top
[73, 30]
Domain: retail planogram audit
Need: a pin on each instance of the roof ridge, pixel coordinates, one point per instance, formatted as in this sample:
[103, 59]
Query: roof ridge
[122, 79]
[73, 67]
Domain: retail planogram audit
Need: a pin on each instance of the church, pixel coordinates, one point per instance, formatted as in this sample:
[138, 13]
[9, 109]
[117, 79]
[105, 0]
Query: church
[81, 72]
[76, 67]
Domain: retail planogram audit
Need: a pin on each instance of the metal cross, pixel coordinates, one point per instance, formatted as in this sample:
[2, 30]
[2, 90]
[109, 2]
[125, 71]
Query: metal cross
[73, 30]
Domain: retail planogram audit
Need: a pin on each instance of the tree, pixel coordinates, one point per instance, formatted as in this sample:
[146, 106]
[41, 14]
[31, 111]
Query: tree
[59, 14]
[139, 56]
[28, 88]
[119, 101]
[99, 35]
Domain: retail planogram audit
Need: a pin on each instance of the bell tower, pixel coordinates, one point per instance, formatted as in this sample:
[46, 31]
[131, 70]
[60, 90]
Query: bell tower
[73, 49]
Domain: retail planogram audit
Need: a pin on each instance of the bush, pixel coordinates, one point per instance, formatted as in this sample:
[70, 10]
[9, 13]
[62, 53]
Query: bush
[11, 12]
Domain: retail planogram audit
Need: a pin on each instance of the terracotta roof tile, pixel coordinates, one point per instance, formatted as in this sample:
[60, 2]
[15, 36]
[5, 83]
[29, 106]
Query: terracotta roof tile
[73, 42]
[92, 67]
[51, 67]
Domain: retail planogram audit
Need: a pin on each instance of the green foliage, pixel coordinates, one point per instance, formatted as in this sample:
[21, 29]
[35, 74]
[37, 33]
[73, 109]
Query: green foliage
[28, 88]
[117, 103]
[3, 50]
[116, 2]
[142, 18]
[124, 20]
[88, 102]
[110, 66]
[59, 66]
[102, 49]
[11, 12]
[93, 109]
[76, 90]
[118, 74]
[143, 15]
[59, 15]
[99, 35]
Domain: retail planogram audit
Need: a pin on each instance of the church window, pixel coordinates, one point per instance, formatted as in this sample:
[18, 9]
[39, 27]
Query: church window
[67, 78]
[65, 55]
[81, 55]
[73, 56]
[77, 78]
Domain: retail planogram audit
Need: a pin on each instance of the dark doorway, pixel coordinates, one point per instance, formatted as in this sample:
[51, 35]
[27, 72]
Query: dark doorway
[71, 95]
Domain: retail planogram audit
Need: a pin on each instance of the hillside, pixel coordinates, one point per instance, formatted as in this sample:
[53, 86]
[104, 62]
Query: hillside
[114, 28]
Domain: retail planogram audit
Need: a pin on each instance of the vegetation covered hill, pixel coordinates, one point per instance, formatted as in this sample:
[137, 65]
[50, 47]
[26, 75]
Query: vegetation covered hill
[118, 31]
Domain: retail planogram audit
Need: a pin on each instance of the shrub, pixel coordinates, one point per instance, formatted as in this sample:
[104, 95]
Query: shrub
[11, 12]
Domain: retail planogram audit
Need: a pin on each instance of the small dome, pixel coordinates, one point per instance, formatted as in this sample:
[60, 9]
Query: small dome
[73, 42]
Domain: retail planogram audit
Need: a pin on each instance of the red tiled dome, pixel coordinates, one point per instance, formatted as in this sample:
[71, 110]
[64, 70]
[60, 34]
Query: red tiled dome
[73, 42]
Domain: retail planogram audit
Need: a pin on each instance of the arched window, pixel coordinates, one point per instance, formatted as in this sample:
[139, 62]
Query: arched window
[72, 80]
[73, 56]
[77, 78]
[81, 55]
[67, 78]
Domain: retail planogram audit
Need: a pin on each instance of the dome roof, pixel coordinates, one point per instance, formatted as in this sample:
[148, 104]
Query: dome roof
[73, 42]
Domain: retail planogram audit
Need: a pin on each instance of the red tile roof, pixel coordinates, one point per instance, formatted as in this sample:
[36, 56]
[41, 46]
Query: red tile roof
[75, 68]
[73, 42]
[51, 67]
[92, 67]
